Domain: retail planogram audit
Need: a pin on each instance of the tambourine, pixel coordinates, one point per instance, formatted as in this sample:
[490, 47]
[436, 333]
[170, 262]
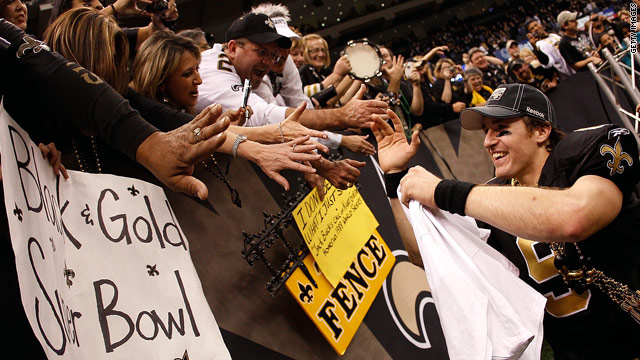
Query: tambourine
[365, 58]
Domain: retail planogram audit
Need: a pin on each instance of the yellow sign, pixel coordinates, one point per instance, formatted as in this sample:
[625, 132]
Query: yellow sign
[338, 311]
[334, 229]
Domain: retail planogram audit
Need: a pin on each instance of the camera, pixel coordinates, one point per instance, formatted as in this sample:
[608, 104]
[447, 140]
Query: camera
[158, 7]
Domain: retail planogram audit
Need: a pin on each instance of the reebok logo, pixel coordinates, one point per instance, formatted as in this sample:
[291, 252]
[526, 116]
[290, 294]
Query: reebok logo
[535, 112]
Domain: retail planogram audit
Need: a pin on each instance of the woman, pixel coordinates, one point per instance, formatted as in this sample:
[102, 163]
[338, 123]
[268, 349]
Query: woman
[444, 88]
[315, 74]
[297, 52]
[15, 12]
[477, 92]
[166, 70]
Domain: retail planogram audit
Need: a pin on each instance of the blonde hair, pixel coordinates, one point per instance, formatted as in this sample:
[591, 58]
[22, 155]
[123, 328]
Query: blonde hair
[305, 44]
[157, 58]
[437, 70]
[296, 43]
[94, 41]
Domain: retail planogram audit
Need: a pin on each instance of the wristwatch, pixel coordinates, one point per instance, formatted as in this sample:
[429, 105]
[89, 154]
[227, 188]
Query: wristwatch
[239, 140]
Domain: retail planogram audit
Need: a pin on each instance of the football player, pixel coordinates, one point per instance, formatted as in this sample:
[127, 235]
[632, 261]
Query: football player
[564, 210]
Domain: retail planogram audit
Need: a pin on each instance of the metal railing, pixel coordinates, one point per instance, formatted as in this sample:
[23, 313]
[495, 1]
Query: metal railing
[622, 80]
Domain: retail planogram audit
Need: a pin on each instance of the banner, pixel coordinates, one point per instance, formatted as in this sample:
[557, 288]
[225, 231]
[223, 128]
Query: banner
[334, 229]
[103, 265]
[338, 311]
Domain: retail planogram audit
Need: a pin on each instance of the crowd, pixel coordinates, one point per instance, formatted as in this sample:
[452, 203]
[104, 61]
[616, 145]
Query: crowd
[153, 103]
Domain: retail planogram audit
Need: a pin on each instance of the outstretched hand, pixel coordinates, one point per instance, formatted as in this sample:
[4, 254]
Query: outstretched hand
[358, 112]
[358, 144]
[292, 129]
[171, 156]
[292, 155]
[394, 152]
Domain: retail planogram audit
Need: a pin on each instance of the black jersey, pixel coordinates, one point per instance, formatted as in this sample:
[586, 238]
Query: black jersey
[588, 325]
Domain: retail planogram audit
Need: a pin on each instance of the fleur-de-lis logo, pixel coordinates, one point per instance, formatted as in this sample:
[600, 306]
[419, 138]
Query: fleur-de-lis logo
[306, 293]
[270, 23]
[133, 191]
[17, 212]
[31, 44]
[618, 156]
[152, 270]
[69, 274]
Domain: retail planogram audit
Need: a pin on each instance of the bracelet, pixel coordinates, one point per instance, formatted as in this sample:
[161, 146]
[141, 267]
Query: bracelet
[392, 181]
[451, 195]
[281, 134]
[115, 13]
[239, 140]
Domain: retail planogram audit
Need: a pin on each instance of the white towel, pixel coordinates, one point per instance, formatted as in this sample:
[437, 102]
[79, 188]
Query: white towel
[485, 310]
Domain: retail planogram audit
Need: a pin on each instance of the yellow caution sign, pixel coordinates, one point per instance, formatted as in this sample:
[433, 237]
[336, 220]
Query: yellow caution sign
[338, 310]
[334, 229]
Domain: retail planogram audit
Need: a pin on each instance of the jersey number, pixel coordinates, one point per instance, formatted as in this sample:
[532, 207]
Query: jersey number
[561, 300]
[223, 63]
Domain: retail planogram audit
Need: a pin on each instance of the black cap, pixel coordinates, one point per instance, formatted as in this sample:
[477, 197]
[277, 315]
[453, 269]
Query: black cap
[257, 28]
[516, 62]
[508, 101]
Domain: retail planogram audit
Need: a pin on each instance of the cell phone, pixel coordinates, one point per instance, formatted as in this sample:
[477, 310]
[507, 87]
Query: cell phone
[245, 97]
[408, 68]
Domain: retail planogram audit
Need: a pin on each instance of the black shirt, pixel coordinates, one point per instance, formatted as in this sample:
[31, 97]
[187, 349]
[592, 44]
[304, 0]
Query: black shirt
[588, 325]
[574, 49]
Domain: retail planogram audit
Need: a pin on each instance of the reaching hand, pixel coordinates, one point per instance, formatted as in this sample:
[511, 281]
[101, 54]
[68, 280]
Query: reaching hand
[342, 66]
[341, 174]
[292, 129]
[358, 112]
[358, 144]
[291, 155]
[396, 71]
[171, 156]
[236, 117]
[394, 152]
[316, 181]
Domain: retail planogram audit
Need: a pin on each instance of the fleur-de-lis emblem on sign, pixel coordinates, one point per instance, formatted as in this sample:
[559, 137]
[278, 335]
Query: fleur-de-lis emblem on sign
[615, 165]
[306, 293]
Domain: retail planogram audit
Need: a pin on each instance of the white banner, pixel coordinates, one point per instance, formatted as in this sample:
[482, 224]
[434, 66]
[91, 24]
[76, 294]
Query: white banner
[104, 268]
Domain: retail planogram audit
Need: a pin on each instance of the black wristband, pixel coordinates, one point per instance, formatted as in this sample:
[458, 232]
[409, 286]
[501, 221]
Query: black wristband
[392, 181]
[451, 195]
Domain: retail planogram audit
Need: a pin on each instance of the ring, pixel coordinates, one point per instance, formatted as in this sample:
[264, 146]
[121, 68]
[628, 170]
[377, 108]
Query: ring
[348, 185]
[294, 147]
[196, 134]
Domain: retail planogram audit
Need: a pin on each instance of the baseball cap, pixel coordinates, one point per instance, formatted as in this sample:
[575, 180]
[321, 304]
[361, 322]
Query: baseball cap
[515, 63]
[565, 16]
[510, 42]
[258, 28]
[508, 101]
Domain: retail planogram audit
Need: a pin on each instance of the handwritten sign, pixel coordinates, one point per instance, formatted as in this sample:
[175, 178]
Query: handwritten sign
[103, 265]
[334, 229]
[338, 311]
